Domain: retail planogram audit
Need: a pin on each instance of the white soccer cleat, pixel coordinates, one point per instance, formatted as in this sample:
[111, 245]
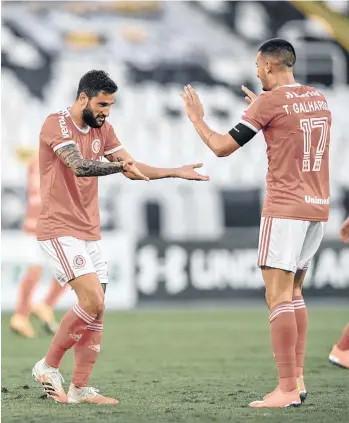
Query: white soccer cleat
[51, 380]
[87, 394]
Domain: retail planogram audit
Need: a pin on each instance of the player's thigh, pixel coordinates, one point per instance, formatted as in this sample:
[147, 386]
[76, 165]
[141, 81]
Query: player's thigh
[67, 258]
[95, 251]
[280, 245]
[298, 281]
[311, 244]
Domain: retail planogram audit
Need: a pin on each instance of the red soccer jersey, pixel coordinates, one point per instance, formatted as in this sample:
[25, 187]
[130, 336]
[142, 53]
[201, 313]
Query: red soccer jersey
[296, 123]
[69, 204]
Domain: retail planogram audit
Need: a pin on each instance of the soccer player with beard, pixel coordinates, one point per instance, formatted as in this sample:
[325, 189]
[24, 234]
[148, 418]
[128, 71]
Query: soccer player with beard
[72, 143]
[295, 121]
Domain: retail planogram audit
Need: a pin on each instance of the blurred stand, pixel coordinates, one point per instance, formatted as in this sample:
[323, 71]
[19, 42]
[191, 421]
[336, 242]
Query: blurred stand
[151, 49]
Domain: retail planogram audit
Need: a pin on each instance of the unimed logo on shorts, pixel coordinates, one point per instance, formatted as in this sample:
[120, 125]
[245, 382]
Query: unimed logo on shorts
[79, 261]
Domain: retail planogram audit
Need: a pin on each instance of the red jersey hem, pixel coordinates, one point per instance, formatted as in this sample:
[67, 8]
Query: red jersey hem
[306, 219]
[58, 235]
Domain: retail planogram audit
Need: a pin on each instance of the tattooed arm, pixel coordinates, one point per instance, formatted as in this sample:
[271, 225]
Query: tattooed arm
[72, 157]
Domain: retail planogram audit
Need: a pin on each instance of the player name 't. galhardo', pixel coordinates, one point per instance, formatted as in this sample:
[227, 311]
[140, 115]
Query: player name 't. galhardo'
[306, 107]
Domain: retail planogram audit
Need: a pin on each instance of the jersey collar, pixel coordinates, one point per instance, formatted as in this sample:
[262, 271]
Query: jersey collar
[82, 130]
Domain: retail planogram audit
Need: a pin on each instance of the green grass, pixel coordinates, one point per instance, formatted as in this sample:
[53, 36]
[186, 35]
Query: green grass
[182, 366]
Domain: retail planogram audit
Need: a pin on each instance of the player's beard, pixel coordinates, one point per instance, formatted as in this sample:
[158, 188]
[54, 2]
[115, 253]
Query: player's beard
[90, 119]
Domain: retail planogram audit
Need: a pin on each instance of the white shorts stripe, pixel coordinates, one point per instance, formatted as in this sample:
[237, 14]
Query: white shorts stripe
[62, 259]
[264, 227]
[267, 242]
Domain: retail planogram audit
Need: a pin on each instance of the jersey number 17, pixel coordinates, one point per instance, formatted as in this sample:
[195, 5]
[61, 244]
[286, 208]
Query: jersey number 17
[307, 126]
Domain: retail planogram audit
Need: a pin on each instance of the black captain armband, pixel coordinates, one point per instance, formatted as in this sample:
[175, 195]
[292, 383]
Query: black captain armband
[242, 134]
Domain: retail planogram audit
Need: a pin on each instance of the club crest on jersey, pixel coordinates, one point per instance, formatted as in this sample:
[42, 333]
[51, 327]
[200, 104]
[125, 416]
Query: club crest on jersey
[96, 146]
[79, 261]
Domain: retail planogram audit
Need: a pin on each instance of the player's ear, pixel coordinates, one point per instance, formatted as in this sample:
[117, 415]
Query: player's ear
[268, 66]
[83, 99]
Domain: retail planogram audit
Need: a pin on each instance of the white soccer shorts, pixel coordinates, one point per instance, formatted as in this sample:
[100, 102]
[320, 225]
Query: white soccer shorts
[288, 244]
[69, 257]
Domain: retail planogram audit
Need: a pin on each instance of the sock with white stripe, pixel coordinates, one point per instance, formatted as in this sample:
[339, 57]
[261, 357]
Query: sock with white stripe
[86, 352]
[283, 332]
[74, 323]
[301, 314]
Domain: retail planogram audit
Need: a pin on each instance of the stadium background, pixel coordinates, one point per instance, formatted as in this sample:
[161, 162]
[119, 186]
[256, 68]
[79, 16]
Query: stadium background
[171, 241]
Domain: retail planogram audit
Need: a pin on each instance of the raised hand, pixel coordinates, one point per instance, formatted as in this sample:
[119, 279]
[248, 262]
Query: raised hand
[192, 103]
[250, 95]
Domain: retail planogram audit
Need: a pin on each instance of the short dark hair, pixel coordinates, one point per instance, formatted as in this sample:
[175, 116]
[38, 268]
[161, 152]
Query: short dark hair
[94, 82]
[281, 49]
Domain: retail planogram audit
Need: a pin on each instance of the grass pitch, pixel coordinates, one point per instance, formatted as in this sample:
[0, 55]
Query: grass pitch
[182, 366]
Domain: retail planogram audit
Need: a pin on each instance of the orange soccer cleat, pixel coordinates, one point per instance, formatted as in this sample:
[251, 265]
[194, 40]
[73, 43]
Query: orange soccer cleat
[301, 390]
[22, 326]
[45, 313]
[278, 399]
[87, 394]
[339, 358]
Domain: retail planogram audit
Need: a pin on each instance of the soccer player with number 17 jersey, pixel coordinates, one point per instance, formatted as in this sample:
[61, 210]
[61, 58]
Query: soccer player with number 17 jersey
[296, 122]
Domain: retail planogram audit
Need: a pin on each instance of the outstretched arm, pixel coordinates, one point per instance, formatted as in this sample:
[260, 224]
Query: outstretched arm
[221, 144]
[184, 172]
[71, 156]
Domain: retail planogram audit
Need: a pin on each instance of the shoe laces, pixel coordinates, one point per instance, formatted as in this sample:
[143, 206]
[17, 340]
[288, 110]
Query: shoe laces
[56, 377]
[89, 390]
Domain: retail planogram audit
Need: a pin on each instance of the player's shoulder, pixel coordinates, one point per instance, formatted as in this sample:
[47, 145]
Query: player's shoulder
[57, 116]
[264, 98]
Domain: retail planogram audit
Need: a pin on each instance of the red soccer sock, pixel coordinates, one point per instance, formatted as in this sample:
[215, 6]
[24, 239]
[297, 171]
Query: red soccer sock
[283, 329]
[343, 343]
[301, 314]
[86, 352]
[54, 293]
[26, 291]
[71, 329]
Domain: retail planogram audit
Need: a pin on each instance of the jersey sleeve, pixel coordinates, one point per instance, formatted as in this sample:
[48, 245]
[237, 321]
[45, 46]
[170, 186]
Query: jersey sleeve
[112, 143]
[259, 113]
[55, 133]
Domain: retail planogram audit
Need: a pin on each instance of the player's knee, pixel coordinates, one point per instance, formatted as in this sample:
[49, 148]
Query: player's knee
[101, 313]
[94, 304]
